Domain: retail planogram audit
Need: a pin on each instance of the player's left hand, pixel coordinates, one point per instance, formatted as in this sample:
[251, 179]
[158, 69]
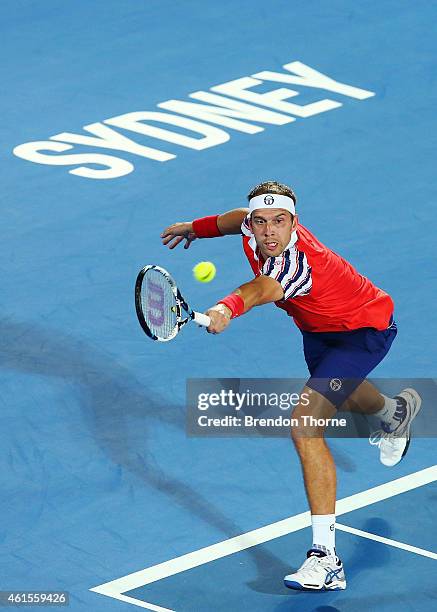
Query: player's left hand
[220, 316]
[176, 233]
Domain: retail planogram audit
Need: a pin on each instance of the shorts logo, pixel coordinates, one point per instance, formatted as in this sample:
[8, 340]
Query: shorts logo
[335, 384]
[269, 200]
[331, 527]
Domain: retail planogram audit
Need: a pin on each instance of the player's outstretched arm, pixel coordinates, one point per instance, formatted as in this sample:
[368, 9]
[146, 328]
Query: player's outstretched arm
[206, 227]
[260, 290]
[230, 222]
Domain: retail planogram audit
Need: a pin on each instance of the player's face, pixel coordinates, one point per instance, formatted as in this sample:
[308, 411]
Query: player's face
[272, 230]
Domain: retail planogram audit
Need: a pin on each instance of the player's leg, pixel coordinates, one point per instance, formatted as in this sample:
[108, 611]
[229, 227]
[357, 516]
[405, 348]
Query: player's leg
[366, 399]
[317, 463]
[322, 570]
[338, 364]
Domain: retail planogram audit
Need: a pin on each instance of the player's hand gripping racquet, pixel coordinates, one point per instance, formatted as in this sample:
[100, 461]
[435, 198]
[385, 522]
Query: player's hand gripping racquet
[161, 309]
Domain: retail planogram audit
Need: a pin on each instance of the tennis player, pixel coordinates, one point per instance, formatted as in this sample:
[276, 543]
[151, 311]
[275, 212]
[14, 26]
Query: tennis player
[347, 327]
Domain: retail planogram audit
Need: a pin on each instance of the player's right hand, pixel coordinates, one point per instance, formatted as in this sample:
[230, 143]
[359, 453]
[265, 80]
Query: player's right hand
[174, 234]
[220, 316]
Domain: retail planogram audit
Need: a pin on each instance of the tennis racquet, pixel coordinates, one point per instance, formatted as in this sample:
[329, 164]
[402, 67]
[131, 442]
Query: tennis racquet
[161, 309]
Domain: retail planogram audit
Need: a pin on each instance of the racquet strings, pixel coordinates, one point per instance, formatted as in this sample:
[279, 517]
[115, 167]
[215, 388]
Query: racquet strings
[159, 304]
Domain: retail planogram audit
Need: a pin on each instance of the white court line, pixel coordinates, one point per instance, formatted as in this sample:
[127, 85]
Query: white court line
[395, 543]
[138, 602]
[116, 587]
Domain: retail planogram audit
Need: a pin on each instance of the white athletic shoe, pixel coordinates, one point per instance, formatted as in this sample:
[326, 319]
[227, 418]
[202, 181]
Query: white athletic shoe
[394, 438]
[319, 572]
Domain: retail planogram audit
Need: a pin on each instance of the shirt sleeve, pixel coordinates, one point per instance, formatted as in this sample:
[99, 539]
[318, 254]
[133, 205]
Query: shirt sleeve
[292, 271]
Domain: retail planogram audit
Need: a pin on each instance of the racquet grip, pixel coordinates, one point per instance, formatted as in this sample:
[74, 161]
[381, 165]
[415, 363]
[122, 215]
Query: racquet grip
[201, 319]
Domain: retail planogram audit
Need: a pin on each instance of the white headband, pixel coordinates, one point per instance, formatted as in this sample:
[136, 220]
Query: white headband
[272, 200]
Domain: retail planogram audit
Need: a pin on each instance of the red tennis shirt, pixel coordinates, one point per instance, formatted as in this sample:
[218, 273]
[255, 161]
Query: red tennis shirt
[322, 291]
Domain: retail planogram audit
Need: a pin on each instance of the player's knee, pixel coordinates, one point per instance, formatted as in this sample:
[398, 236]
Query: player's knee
[304, 428]
[299, 431]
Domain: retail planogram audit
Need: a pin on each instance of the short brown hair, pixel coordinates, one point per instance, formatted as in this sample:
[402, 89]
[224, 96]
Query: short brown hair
[272, 187]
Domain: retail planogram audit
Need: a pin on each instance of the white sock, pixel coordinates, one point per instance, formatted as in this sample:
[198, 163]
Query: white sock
[324, 532]
[387, 412]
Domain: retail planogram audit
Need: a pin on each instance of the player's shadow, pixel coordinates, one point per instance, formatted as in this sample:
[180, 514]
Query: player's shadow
[114, 403]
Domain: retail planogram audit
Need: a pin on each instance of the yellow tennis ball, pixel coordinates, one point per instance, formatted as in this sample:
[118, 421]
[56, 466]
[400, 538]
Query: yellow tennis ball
[204, 271]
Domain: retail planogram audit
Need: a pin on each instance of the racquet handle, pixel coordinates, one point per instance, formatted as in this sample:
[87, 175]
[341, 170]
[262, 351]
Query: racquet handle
[201, 319]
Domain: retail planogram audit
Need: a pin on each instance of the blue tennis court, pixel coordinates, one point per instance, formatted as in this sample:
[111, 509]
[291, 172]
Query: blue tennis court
[104, 493]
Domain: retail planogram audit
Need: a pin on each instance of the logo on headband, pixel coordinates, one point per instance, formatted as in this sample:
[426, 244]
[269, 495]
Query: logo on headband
[269, 200]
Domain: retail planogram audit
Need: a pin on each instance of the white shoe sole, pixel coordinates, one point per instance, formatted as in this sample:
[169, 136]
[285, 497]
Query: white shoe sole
[337, 585]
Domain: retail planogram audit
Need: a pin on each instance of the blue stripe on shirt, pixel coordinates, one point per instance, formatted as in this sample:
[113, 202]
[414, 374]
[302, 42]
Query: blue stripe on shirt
[301, 285]
[284, 272]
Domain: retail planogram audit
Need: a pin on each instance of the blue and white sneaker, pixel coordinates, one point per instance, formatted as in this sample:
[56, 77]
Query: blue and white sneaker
[319, 572]
[393, 438]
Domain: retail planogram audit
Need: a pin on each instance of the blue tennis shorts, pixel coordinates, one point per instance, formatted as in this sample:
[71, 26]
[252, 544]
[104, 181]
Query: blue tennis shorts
[339, 361]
